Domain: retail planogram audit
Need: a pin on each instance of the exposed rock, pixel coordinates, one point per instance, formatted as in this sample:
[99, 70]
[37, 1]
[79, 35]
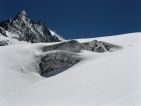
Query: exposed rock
[100, 47]
[22, 28]
[55, 62]
[75, 46]
[95, 46]
[53, 33]
[72, 46]
[110, 46]
[3, 43]
[90, 45]
[2, 31]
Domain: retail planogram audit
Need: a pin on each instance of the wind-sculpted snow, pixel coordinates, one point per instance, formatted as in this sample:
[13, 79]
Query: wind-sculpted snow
[61, 56]
[90, 78]
[71, 47]
[57, 61]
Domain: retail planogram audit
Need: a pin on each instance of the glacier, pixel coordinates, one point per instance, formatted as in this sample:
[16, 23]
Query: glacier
[110, 78]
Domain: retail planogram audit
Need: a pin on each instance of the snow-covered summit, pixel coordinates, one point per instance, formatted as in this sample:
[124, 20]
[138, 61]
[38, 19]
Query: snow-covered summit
[22, 28]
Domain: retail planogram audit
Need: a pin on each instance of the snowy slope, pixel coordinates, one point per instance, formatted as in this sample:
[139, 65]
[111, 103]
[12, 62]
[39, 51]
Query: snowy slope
[53, 33]
[101, 79]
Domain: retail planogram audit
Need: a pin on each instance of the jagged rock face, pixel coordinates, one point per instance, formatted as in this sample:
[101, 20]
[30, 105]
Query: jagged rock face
[55, 62]
[2, 31]
[23, 28]
[2, 43]
[72, 46]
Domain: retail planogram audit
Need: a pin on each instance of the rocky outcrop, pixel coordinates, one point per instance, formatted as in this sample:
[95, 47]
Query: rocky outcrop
[75, 46]
[22, 28]
[2, 31]
[72, 46]
[90, 45]
[95, 46]
[99, 46]
[109, 47]
[3, 43]
[57, 61]
[61, 56]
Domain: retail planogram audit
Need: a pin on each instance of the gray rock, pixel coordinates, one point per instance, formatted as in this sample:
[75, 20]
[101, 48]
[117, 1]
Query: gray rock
[99, 46]
[72, 46]
[56, 62]
[3, 43]
[110, 46]
[2, 31]
[90, 45]
[75, 46]
[26, 30]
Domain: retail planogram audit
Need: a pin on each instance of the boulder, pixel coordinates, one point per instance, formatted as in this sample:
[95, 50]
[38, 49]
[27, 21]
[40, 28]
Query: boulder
[56, 62]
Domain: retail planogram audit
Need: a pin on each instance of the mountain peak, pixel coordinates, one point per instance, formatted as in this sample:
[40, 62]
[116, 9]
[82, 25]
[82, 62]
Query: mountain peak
[22, 28]
[22, 14]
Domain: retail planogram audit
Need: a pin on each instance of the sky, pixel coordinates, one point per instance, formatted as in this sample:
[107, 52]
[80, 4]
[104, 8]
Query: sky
[80, 18]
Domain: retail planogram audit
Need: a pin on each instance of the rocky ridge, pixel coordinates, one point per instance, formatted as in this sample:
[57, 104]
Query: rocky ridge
[22, 28]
